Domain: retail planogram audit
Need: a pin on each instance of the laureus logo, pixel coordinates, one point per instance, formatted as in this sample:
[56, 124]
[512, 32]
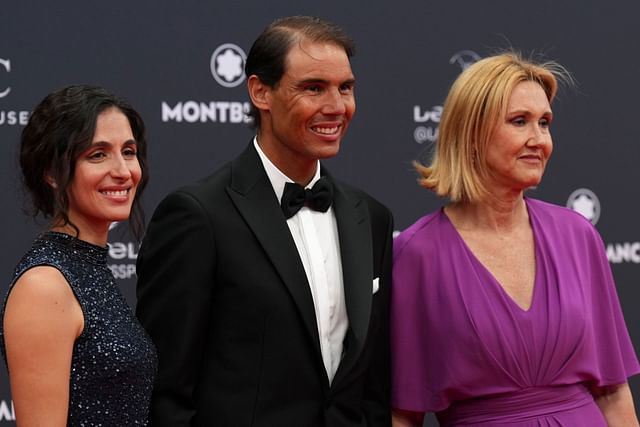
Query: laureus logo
[5, 65]
[227, 65]
[464, 58]
[9, 117]
[586, 203]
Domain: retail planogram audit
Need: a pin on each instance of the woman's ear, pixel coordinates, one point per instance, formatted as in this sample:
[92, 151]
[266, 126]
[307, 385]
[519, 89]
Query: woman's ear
[51, 181]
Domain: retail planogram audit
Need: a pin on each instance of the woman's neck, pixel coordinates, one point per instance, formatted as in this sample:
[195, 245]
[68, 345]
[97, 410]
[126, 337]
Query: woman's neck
[495, 214]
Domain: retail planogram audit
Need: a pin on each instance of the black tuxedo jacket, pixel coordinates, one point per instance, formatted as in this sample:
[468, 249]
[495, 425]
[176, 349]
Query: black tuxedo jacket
[223, 294]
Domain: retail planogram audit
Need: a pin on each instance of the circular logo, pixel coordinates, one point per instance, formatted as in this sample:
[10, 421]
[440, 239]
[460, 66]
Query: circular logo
[227, 65]
[6, 64]
[464, 58]
[586, 203]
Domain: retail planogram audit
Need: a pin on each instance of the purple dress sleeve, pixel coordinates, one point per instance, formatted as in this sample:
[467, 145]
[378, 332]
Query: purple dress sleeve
[612, 359]
[413, 354]
[457, 336]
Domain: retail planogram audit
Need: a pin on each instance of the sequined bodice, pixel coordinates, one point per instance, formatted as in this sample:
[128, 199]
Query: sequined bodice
[114, 361]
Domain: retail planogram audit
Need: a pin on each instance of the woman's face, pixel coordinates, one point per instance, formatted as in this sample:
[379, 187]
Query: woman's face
[106, 175]
[521, 144]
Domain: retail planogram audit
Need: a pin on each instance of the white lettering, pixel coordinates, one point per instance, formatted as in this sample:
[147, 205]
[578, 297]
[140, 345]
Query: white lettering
[208, 112]
[214, 112]
[120, 250]
[623, 252]
[123, 271]
[425, 134]
[425, 116]
[14, 117]
[7, 412]
[236, 113]
[191, 111]
[169, 113]
[222, 109]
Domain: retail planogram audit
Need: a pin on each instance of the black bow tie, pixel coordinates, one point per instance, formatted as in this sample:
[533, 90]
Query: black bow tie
[318, 198]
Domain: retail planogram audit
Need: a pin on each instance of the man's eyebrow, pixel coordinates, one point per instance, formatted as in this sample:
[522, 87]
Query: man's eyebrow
[312, 81]
[323, 81]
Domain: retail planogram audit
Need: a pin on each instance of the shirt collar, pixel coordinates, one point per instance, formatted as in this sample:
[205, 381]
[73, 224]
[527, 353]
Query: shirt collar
[275, 175]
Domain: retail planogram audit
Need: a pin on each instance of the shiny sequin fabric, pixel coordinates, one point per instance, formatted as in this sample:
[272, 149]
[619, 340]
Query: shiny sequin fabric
[114, 361]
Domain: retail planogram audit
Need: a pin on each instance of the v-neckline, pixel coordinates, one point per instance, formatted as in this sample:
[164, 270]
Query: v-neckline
[494, 280]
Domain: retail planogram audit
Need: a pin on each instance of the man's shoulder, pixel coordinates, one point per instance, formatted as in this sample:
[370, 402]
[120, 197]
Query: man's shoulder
[215, 181]
[220, 179]
[373, 204]
[207, 186]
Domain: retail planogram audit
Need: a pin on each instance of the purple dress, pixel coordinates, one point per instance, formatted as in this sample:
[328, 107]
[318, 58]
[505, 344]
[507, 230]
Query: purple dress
[464, 349]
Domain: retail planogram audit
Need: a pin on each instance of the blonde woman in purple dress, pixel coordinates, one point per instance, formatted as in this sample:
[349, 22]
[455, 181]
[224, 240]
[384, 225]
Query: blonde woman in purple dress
[504, 311]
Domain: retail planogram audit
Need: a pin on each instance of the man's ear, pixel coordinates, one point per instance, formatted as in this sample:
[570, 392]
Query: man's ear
[259, 93]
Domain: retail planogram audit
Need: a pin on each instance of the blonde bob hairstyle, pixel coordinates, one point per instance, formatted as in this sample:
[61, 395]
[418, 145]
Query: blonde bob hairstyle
[476, 102]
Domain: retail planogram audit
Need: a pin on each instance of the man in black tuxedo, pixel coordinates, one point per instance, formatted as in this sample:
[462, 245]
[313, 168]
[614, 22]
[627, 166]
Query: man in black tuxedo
[265, 287]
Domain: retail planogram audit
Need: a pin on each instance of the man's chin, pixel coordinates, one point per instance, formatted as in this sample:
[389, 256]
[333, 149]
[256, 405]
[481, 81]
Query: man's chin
[327, 154]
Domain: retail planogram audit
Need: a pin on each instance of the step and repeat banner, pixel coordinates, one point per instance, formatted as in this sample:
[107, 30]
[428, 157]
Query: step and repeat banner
[180, 64]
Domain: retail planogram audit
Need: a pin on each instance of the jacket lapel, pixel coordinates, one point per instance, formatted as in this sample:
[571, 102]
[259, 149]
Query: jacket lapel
[354, 229]
[253, 196]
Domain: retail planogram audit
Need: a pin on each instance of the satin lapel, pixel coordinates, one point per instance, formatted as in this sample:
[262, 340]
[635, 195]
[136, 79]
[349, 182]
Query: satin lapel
[254, 198]
[356, 250]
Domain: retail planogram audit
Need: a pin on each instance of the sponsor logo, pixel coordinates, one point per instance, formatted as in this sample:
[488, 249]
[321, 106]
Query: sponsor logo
[428, 119]
[227, 68]
[7, 413]
[586, 203]
[619, 253]
[122, 250]
[428, 131]
[464, 59]
[227, 65]
[6, 64]
[123, 271]
[10, 117]
[14, 117]
[124, 254]
[203, 112]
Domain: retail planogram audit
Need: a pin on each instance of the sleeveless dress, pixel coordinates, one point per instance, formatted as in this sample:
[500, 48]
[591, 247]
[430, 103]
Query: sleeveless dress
[114, 361]
[462, 348]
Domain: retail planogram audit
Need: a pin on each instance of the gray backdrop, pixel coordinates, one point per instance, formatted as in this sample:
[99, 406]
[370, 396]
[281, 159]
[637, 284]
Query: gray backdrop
[158, 55]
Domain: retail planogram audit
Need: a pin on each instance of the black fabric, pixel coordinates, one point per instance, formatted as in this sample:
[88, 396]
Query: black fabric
[318, 198]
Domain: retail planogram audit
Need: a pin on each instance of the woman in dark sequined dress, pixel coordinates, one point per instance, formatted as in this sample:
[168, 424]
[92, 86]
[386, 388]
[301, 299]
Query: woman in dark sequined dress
[75, 352]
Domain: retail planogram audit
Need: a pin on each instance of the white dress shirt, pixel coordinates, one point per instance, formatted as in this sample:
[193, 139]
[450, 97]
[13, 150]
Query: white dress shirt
[316, 238]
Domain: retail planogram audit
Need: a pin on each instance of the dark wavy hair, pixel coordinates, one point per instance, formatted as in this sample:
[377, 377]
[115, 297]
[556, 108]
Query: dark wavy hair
[267, 57]
[60, 128]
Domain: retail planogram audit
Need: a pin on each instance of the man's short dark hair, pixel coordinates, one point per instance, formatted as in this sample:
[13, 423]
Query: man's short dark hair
[267, 56]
